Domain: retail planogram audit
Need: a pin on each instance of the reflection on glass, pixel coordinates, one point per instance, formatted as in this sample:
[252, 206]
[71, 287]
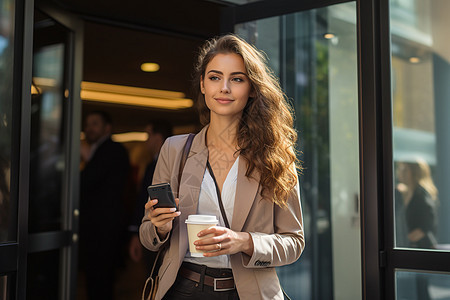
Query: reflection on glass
[421, 144]
[4, 291]
[422, 286]
[417, 197]
[7, 229]
[47, 139]
[314, 54]
[48, 153]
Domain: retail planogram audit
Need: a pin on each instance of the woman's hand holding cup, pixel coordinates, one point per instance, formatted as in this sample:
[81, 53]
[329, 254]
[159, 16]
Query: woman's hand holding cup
[218, 240]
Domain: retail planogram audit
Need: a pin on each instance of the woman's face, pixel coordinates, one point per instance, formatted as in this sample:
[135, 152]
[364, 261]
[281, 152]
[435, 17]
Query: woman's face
[404, 174]
[226, 86]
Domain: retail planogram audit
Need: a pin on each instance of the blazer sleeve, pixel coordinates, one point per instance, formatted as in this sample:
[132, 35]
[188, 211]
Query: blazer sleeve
[147, 231]
[286, 244]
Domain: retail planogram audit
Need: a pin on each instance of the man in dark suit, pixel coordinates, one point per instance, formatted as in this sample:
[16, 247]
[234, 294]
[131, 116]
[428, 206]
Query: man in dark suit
[103, 181]
[157, 132]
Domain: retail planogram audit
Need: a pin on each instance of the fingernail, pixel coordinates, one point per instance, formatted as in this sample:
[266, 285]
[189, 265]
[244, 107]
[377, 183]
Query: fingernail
[173, 209]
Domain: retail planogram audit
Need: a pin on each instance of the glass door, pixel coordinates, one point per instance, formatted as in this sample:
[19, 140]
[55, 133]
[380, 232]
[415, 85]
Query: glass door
[39, 130]
[8, 199]
[314, 53]
[52, 214]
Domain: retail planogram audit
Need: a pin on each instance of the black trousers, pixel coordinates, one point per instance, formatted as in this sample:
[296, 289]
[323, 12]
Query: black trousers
[184, 288]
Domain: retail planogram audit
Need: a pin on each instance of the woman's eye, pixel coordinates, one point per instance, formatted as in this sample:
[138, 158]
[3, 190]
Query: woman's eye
[213, 78]
[237, 79]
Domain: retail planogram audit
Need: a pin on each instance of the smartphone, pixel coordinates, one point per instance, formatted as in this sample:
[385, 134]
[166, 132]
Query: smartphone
[162, 192]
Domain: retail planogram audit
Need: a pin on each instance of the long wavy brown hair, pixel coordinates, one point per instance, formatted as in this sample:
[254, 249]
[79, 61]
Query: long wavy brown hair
[266, 136]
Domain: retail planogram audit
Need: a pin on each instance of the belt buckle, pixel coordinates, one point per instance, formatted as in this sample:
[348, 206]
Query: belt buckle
[223, 290]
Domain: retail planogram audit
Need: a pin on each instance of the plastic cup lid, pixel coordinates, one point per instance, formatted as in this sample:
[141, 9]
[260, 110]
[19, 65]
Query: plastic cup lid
[201, 219]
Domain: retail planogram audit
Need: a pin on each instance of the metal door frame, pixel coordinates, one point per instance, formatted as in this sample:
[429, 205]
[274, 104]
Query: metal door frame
[67, 238]
[13, 262]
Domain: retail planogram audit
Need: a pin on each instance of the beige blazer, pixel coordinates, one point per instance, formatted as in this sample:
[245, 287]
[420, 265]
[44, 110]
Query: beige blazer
[277, 233]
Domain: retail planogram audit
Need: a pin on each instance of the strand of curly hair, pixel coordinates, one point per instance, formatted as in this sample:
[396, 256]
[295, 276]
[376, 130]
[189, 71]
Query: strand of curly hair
[265, 137]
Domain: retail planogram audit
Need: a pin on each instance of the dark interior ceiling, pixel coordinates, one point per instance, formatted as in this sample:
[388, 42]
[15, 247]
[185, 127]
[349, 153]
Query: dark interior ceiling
[114, 55]
[120, 35]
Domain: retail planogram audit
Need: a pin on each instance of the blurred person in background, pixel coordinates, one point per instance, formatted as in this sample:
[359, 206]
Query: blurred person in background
[102, 181]
[419, 196]
[157, 132]
[419, 199]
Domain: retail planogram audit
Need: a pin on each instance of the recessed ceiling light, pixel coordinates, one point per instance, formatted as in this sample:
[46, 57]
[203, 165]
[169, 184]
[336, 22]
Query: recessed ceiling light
[135, 96]
[130, 137]
[414, 60]
[150, 67]
[328, 36]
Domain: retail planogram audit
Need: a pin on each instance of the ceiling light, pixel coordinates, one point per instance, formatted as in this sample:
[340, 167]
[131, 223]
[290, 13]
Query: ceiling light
[120, 94]
[414, 60]
[150, 67]
[131, 90]
[328, 36]
[130, 137]
[124, 137]
[134, 96]
[135, 100]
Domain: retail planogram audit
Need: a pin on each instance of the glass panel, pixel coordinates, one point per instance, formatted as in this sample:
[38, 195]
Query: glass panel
[421, 286]
[44, 275]
[314, 53]
[48, 138]
[421, 144]
[7, 210]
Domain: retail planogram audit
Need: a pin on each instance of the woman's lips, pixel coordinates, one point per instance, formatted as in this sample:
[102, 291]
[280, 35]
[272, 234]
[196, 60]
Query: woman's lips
[223, 100]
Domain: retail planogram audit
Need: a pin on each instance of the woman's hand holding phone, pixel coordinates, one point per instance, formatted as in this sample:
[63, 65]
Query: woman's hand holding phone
[161, 217]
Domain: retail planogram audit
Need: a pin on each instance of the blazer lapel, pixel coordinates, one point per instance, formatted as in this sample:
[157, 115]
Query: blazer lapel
[191, 181]
[246, 189]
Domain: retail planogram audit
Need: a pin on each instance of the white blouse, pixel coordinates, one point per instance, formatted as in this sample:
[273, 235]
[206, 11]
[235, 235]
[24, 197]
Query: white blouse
[208, 204]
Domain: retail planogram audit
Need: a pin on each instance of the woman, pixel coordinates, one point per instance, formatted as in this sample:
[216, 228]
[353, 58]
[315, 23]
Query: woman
[419, 196]
[248, 141]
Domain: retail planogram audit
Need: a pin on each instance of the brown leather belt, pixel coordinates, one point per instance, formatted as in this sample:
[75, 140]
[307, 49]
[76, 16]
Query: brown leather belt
[219, 284]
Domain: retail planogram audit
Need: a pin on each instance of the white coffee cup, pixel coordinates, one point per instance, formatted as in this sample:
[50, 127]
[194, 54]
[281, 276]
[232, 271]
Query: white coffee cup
[195, 224]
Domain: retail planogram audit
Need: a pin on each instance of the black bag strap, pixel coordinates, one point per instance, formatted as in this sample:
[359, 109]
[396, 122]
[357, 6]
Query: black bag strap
[222, 209]
[184, 156]
[224, 215]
